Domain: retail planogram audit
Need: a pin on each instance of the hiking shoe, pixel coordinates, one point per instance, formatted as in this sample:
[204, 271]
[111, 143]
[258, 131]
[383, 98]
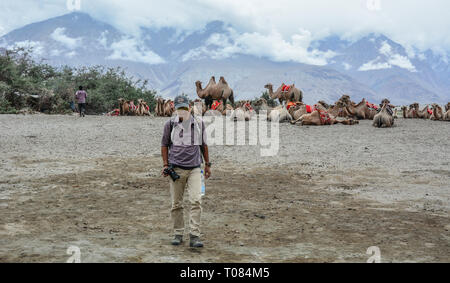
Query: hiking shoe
[195, 242]
[177, 240]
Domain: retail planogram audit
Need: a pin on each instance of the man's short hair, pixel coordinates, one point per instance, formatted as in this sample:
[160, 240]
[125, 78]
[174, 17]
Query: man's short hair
[80, 87]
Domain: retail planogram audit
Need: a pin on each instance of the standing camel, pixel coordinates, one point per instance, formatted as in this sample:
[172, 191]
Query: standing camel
[227, 92]
[214, 91]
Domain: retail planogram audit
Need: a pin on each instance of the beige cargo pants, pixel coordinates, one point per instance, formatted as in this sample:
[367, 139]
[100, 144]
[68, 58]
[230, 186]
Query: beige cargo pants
[190, 180]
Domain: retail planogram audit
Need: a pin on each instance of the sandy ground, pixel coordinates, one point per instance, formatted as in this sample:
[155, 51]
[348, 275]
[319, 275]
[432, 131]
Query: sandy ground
[330, 194]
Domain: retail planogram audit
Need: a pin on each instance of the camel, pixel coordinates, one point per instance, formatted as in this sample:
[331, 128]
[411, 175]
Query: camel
[299, 109]
[320, 117]
[279, 114]
[447, 107]
[324, 104]
[198, 107]
[261, 105]
[169, 108]
[409, 113]
[124, 107]
[339, 109]
[159, 109]
[142, 109]
[214, 91]
[293, 95]
[423, 114]
[227, 92]
[361, 111]
[446, 116]
[385, 118]
[221, 108]
[437, 112]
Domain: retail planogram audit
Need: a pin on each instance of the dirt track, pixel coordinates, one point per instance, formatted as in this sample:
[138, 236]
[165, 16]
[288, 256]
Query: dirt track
[329, 194]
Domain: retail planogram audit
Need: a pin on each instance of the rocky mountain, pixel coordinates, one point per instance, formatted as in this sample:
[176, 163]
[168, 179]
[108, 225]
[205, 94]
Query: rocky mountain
[373, 67]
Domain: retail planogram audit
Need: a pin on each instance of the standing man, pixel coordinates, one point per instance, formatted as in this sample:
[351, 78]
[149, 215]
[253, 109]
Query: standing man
[80, 97]
[182, 147]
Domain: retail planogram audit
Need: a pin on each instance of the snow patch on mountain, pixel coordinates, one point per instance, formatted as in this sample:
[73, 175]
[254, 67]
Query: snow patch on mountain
[392, 59]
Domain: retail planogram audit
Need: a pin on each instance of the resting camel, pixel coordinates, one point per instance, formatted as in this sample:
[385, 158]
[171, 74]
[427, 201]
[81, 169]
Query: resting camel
[124, 107]
[339, 109]
[142, 108]
[261, 105]
[385, 118]
[198, 107]
[320, 117]
[446, 116]
[437, 112]
[159, 109]
[279, 114]
[169, 108]
[127, 107]
[300, 109]
[422, 114]
[293, 95]
[409, 113]
[324, 104]
[447, 107]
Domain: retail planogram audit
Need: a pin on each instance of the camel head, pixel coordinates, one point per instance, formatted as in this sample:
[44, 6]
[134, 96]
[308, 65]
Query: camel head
[198, 84]
[222, 80]
[268, 86]
[324, 104]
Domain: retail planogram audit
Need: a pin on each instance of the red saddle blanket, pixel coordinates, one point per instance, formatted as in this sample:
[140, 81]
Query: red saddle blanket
[430, 111]
[285, 88]
[310, 109]
[289, 105]
[215, 105]
[133, 107]
[370, 105]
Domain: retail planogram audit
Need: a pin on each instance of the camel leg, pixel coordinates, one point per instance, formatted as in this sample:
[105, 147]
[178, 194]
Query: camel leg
[298, 120]
[231, 98]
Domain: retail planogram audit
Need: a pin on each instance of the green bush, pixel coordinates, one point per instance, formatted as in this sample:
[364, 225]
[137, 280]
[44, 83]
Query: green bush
[26, 83]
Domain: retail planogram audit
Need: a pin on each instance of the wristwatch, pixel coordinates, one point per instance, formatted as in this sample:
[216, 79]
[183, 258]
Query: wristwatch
[208, 164]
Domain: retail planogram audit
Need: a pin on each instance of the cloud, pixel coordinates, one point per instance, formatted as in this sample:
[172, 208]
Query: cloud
[69, 42]
[130, 49]
[422, 24]
[271, 45]
[347, 66]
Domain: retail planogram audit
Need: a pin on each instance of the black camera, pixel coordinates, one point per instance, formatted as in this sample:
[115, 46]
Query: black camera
[169, 171]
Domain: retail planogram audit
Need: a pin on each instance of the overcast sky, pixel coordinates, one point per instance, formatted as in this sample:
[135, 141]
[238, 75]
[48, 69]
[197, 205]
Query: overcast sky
[421, 23]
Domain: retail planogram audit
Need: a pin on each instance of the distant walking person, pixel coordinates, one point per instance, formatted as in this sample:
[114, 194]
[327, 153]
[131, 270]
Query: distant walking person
[81, 96]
